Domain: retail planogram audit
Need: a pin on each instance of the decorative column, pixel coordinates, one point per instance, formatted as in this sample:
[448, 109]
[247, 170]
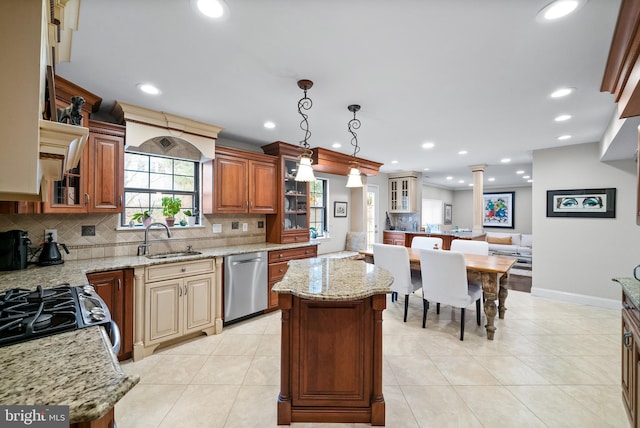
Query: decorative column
[478, 180]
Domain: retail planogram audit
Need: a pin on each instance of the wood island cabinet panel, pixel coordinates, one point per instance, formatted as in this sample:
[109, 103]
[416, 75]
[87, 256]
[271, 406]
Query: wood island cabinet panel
[116, 289]
[393, 238]
[630, 360]
[278, 265]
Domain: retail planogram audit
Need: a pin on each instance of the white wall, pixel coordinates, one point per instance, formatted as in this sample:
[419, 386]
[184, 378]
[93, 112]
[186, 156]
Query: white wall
[575, 258]
[382, 181]
[463, 209]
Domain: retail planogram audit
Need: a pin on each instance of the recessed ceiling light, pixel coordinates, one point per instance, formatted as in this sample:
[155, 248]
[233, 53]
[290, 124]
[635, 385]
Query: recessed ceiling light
[449, 178]
[148, 88]
[529, 181]
[562, 117]
[559, 8]
[216, 9]
[526, 176]
[336, 145]
[505, 160]
[520, 172]
[426, 169]
[394, 161]
[470, 184]
[564, 137]
[428, 145]
[269, 125]
[561, 92]
[460, 181]
[463, 152]
[492, 179]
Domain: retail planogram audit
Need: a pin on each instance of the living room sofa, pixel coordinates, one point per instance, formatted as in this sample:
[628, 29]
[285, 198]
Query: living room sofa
[518, 245]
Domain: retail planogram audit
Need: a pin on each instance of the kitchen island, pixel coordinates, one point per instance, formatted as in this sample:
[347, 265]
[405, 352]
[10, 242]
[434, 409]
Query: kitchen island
[401, 237]
[331, 343]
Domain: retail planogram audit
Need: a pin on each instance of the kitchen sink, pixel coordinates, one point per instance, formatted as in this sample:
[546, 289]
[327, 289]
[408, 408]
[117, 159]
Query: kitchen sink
[171, 255]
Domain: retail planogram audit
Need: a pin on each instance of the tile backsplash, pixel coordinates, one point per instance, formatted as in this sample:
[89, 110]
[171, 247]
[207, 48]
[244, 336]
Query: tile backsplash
[111, 240]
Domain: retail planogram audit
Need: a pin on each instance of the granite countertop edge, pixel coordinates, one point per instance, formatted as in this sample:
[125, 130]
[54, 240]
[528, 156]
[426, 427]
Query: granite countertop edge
[631, 288]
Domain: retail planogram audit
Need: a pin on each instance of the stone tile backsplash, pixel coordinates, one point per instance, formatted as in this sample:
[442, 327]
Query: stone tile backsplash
[111, 240]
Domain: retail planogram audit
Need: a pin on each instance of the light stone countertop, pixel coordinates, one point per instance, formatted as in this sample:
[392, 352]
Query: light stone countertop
[630, 287]
[78, 368]
[334, 279]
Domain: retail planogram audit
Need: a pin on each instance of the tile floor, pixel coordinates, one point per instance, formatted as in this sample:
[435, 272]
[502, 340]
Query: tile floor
[552, 364]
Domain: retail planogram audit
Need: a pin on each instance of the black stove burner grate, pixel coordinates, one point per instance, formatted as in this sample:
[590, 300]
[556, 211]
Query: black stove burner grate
[28, 314]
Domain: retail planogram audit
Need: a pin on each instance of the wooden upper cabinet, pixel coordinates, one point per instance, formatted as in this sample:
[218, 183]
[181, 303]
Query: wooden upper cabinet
[238, 181]
[96, 184]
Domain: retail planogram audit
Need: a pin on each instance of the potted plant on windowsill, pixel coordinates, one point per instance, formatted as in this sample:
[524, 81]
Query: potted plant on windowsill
[191, 218]
[170, 207]
[143, 217]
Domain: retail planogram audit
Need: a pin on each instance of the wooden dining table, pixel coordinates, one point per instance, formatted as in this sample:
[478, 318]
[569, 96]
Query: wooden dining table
[493, 271]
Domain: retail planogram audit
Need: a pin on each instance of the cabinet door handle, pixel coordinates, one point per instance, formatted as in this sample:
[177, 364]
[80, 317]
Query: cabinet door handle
[180, 291]
[185, 290]
[281, 255]
[87, 198]
[281, 270]
[120, 201]
[119, 284]
[625, 339]
[184, 269]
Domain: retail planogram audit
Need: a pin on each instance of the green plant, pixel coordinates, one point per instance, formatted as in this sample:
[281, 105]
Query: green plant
[187, 213]
[170, 206]
[140, 216]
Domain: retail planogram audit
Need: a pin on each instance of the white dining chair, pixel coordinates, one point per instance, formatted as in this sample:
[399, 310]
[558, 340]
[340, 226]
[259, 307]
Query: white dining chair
[395, 259]
[444, 280]
[427, 242]
[467, 246]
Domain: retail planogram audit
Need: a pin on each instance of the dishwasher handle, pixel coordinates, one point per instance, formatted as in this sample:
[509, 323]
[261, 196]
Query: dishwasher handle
[256, 260]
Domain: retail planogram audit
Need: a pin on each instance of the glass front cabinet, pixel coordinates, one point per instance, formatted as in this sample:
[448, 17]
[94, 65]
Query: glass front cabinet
[403, 193]
[291, 223]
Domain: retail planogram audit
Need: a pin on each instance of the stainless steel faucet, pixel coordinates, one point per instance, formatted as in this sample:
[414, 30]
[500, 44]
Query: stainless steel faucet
[143, 249]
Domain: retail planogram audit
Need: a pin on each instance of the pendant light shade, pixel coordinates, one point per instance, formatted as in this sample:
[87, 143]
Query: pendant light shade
[355, 177]
[305, 171]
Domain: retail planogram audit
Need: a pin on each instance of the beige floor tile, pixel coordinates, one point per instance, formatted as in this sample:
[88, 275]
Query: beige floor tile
[464, 370]
[398, 414]
[557, 408]
[415, 370]
[223, 370]
[238, 344]
[563, 370]
[435, 344]
[145, 406]
[509, 370]
[173, 369]
[255, 325]
[269, 345]
[255, 406]
[439, 406]
[202, 406]
[264, 370]
[200, 345]
[388, 378]
[495, 406]
[603, 400]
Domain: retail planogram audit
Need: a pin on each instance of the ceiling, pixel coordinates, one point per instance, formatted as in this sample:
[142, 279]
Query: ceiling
[464, 74]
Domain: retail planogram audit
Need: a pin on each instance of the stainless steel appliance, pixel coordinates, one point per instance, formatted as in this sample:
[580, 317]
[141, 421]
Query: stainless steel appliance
[31, 314]
[245, 285]
[14, 246]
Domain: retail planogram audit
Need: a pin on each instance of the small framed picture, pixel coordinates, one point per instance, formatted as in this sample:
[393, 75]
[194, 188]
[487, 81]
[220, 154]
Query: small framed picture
[447, 214]
[595, 203]
[339, 209]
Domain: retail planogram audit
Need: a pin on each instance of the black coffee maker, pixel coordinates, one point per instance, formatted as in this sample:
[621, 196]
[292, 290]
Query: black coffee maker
[14, 246]
[50, 254]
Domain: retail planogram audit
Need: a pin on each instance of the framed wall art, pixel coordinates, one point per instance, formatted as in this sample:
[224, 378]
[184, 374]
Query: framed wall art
[339, 209]
[448, 213]
[598, 203]
[498, 209]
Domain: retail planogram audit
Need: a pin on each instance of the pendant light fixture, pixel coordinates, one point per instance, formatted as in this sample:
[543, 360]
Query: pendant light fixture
[355, 179]
[305, 171]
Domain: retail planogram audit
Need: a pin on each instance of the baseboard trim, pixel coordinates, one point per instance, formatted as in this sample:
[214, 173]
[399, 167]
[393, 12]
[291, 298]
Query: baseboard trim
[576, 298]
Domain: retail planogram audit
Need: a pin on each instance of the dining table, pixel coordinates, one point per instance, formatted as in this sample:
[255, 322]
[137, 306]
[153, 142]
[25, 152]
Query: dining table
[492, 271]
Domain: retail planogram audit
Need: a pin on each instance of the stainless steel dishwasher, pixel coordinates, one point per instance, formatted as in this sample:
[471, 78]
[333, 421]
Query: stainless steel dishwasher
[245, 285]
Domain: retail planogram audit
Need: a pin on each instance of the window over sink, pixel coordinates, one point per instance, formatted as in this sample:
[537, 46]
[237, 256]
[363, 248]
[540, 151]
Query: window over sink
[149, 178]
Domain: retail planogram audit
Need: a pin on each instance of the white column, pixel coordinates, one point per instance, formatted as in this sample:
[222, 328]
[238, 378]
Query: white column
[478, 180]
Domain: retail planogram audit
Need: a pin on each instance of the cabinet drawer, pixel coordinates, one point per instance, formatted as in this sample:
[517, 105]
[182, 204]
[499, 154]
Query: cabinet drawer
[293, 253]
[277, 271]
[175, 270]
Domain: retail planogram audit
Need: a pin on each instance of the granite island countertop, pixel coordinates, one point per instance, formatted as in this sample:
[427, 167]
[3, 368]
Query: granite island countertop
[78, 368]
[75, 368]
[334, 279]
[630, 287]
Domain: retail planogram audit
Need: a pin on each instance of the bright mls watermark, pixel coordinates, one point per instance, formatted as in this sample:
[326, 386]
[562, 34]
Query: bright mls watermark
[34, 416]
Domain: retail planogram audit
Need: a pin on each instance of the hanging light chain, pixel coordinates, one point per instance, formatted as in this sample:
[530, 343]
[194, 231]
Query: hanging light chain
[305, 103]
[354, 124]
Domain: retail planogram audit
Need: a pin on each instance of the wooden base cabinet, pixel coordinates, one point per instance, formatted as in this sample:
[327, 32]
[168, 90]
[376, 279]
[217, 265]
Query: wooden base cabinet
[179, 299]
[278, 261]
[116, 289]
[630, 360]
[331, 361]
[393, 238]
